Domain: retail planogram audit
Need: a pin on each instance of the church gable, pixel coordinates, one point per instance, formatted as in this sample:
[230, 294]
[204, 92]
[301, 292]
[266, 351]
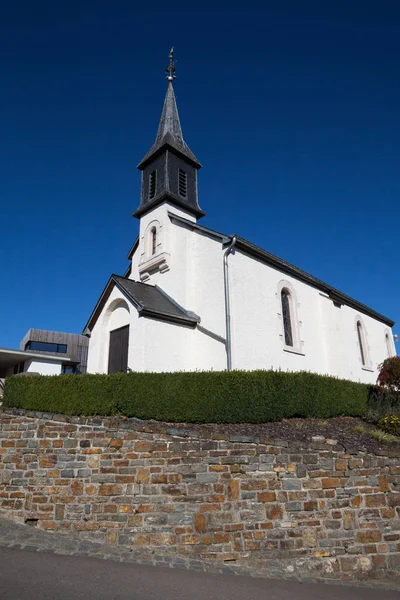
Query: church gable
[149, 301]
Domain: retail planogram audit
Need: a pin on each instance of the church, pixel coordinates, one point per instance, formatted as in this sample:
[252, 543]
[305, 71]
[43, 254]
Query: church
[197, 299]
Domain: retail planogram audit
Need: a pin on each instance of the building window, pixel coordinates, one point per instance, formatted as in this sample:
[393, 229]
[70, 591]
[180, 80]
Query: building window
[45, 347]
[287, 317]
[152, 184]
[182, 183]
[361, 342]
[71, 370]
[153, 239]
[388, 345]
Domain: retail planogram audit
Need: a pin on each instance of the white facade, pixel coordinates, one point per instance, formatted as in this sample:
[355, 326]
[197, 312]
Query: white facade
[43, 366]
[187, 264]
[22, 361]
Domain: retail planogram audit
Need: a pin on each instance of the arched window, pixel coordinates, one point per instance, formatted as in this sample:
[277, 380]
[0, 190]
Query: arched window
[388, 345]
[287, 317]
[153, 240]
[361, 341]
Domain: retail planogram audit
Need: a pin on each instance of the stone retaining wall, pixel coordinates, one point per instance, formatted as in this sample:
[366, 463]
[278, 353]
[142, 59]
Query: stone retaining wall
[285, 508]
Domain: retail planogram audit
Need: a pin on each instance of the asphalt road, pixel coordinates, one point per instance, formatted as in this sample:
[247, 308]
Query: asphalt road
[26, 575]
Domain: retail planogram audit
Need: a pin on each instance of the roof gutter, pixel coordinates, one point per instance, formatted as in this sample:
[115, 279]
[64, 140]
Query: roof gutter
[227, 252]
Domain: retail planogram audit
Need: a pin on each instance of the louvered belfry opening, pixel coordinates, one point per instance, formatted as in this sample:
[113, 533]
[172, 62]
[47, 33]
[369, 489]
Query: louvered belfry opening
[182, 183]
[152, 184]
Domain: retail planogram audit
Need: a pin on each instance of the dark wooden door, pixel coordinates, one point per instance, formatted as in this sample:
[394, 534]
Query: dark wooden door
[118, 353]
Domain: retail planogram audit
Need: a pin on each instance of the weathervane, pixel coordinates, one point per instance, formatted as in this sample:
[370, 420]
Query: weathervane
[171, 68]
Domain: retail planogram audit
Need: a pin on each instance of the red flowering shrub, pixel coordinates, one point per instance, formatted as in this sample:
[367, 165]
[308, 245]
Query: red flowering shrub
[389, 374]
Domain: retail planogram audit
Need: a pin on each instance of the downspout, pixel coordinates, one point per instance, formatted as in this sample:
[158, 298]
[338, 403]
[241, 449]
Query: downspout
[227, 305]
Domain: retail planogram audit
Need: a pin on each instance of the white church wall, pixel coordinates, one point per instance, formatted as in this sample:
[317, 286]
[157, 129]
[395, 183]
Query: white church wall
[328, 334]
[159, 346]
[257, 328]
[342, 343]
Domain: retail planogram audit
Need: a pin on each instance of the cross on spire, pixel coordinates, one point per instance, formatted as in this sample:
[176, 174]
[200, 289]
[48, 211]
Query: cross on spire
[171, 67]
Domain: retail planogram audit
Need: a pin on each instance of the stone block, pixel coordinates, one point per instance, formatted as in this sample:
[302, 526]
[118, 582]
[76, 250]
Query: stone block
[110, 490]
[369, 536]
[330, 482]
[142, 475]
[393, 499]
[84, 472]
[349, 520]
[233, 489]
[221, 538]
[253, 484]
[77, 488]
[207, 477]
[190, 540]
[142, 446]
[200, 523]
[266, 497]
[375, 500]
[274, 512]
[67, 473]
[348, 563]
[116, 443]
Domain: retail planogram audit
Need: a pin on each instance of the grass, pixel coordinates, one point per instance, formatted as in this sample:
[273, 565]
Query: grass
[382, 436]
[359, 429]
[377, 434]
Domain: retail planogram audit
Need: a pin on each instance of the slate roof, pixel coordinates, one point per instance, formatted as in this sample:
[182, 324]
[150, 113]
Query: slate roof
[286, 267]
[170, 132]
[149, 300]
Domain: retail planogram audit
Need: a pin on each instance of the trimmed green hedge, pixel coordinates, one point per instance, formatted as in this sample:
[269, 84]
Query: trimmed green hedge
[200, 397]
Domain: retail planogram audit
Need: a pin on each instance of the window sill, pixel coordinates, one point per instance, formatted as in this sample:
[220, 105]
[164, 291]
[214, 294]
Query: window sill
[368, 369]
[293, 350]
[160, 262]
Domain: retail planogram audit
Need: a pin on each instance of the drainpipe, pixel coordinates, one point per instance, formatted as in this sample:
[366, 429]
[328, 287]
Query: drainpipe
[227, 304]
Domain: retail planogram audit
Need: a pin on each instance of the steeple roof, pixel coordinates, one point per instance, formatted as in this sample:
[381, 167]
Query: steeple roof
[169, 132]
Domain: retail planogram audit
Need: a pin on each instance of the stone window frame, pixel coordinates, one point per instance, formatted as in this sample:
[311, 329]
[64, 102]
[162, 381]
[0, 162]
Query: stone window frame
[389, 344]
[362, 344]
[298, 343]
[149, 262]
[153, 228]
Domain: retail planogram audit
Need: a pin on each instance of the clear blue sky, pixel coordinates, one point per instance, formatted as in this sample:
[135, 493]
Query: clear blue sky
[293, 108]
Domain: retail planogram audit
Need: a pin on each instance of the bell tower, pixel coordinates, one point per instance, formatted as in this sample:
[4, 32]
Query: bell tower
[169, 169]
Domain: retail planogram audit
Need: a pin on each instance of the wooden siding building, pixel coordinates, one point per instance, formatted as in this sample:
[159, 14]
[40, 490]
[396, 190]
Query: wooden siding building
[72, 346]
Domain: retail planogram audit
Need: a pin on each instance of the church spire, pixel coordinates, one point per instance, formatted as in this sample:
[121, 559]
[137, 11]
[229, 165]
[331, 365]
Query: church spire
[169, 129]
[169, 167]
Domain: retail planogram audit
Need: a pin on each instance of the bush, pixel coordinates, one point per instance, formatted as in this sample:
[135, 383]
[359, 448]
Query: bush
[199, 397]
[389, 374]
[381, 402]
[391, 424]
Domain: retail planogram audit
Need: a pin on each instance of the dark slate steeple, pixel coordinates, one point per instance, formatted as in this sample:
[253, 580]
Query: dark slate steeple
[169, 169]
